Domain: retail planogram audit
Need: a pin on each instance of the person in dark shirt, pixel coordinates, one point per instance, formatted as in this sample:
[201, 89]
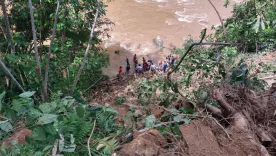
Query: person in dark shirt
[127, 61]
[172, 61]
[127, 68]
[165, 67]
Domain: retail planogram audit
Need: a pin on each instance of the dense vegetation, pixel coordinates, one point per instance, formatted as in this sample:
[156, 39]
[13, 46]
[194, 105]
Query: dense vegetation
[46, 64]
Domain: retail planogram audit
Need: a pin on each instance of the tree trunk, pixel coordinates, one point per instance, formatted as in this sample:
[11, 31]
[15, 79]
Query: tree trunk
[38, 67]
[87, 49]
[50, 51]
[7, 23]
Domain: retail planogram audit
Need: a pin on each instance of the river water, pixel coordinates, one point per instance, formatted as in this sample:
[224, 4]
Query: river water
[138, 22]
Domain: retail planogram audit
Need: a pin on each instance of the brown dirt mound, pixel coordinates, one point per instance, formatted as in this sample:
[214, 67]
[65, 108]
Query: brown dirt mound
[150, 143]
[200, 139]
[19, 137]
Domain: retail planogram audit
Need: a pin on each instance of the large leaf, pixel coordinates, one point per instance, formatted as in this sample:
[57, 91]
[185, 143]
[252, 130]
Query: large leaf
[34, 112]
[66, 101]
[178, 118]
[108, 145]
[22, 105]
[27, 94]
[112, 111]
[257, 25]
[1, 98]
[47, 107]
[263, 25]
[39, 133]
[47, 118]
[80, 111]
[150, 121]
[5, 126]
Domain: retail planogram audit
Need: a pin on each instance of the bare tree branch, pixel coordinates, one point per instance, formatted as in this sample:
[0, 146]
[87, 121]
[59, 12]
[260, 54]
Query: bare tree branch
[50, 51]
[2, 29]
[7, 71]
[87, 49]
[224, 31]
[199, 44]
[38, 67]
[185, 54]
[7, 23]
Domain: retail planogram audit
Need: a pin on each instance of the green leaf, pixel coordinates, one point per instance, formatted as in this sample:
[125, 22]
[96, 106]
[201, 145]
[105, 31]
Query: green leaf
[34, 112]
[80, 111]
[187, 121]
[27, 94]
[48, 147]
[66, 101]
[257, 25]
[178, 118]
[112, 111]
[174, 111]
[150, 121]
[39, 134]
[262, 25]
[1, 98]
[22, 105]
[47, 118]
[47, 107]
[5, 126]
[107, 144]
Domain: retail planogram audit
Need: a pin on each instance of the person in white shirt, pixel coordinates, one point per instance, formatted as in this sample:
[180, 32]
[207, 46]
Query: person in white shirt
[153, 68]
[139, 69]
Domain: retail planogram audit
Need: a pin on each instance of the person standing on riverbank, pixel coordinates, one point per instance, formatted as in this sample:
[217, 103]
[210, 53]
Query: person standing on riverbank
[165, 66]
[135, 60]
[120, 70]
[128, 68]
[172, 61]
[127, 61]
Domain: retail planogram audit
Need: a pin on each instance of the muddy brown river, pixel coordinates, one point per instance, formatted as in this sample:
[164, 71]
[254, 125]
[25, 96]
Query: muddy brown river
[138, 22]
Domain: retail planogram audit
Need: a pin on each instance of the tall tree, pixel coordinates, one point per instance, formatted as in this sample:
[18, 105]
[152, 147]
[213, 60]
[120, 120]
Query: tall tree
[38, 67]
[50, 51]
[7, 23]
[87, 49]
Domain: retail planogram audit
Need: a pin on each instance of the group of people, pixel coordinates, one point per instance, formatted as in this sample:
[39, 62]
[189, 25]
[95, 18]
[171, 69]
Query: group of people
[148, 65]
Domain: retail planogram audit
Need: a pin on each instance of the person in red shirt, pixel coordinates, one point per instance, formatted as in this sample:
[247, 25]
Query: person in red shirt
[135, 60]
[120, 70]
[144, 60]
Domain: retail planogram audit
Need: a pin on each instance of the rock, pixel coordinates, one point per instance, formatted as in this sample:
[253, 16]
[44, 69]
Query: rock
[106, 104]
[158, 42]
[19, 137]
[149, 143]
[138, 112]
[156, 110]
[200, 139]
[129, 90]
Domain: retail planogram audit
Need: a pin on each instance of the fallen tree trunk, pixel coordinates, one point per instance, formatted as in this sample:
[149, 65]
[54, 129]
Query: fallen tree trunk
[241, 125]
[214, 110]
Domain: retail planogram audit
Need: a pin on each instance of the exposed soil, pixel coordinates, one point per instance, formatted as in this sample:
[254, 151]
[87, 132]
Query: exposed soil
[233, 133]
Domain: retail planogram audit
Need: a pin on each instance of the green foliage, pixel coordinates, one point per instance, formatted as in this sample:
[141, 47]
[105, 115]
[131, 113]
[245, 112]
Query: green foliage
[252, 24]
[147, 91]
[62, 120]
[73, 29]
[149, 121]
[107, 145]
[119, 100]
